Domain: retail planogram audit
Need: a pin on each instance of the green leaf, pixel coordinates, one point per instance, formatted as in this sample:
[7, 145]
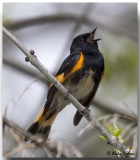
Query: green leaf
[102, 137]
[109, 128]
[114, 131]
[117, 134]
[115, 128]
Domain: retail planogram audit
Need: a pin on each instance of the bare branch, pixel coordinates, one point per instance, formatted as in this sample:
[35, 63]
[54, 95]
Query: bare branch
[70, 18]
[135, 141]
[102, 102]
[115, 107]
[86, 10]
[36, 63]
[49, 147]
[18, 149]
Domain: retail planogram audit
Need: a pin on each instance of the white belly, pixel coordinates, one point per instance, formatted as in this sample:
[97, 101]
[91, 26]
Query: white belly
[83, 88]
[79, 91]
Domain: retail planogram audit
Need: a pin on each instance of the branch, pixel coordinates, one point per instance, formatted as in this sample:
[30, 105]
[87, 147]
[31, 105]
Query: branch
[24, 69]
[104, 103]
[67, 150]
[115, 108]
[36, 63]
[85, 11]
[71, 18]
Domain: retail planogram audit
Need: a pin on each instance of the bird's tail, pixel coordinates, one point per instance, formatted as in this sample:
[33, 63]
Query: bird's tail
[42, 124]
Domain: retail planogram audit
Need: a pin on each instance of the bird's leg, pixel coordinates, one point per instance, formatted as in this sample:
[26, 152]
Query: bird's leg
[69, 92]
[86, 111]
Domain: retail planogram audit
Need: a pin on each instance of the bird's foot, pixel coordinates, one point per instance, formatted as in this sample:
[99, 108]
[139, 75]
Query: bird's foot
[86, 111]
[69, 92]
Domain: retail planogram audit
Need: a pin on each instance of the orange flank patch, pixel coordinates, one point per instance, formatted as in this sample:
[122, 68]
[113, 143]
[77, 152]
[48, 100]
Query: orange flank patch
[60, 77]
[40, 117]
[50, 121]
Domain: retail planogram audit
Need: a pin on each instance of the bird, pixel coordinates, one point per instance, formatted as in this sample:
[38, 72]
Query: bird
[80, 73]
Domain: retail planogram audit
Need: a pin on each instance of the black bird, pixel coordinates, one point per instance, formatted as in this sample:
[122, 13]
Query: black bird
[80, 73]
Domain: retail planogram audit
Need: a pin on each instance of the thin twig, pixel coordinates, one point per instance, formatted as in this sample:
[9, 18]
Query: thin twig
[20, 144]
[131, 133]
[19, 141]
[50, 147]
[114, 107]
[101, 102]
[134, 146]
[24, 69]
[126, 129]
[85, 11]
[70, 18]
[114, 119]
[36, 63]
[18, 149]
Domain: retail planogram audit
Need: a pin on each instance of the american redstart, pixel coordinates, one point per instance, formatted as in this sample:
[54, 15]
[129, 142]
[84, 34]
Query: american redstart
[80, 73]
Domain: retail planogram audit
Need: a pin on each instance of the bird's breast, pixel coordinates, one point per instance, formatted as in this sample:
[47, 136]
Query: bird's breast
[83, 86]
[79, 84]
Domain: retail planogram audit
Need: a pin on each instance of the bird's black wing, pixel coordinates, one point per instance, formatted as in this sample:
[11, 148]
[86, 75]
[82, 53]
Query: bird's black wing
[64, 70]
[61, 76]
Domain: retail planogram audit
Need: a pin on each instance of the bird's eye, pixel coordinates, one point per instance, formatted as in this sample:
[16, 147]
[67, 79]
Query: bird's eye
[82, 39]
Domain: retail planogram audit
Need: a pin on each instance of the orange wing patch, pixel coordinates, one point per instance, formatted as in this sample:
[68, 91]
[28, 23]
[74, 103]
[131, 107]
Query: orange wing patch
[79, 63]
[50, 121]
[40, 118]
[77, 66]
[60, 78]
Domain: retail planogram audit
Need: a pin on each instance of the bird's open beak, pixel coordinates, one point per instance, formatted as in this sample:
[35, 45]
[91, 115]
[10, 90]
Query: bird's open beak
[92, 35]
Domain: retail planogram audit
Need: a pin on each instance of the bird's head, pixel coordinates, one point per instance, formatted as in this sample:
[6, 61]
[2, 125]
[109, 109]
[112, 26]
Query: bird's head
[85, 43]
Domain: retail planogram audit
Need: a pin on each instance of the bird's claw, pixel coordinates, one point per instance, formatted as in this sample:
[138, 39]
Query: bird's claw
[86, 111]
[69, 92]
